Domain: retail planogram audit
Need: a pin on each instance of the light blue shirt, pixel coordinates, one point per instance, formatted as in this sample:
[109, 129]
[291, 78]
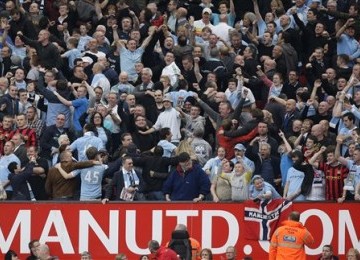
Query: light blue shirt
[91, 179]
[349, 46]
[230, 19]
[4, 172]
[83, 143]
[81, 106]
[254, 193]
[213, 165]
[71, 55]
[295, 178]
[128, 60]
[168, 147]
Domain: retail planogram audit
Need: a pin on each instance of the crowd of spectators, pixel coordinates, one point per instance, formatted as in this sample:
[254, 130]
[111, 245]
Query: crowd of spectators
[180, 100]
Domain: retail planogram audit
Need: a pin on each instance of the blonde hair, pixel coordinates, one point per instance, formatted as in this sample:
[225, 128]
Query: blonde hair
[184, 146]
[62, 138]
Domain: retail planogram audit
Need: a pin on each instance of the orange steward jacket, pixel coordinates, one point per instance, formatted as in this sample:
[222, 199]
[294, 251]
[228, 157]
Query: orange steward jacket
[289, 241]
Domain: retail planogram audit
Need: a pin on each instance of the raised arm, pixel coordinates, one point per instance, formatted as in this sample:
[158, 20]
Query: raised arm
[148, 39]
[136, 22]
[313, 159]
[232, 7]
[257, 11]
[63, 100]
[341, 159]
[286, 143]
[350, 21]
[98, 10]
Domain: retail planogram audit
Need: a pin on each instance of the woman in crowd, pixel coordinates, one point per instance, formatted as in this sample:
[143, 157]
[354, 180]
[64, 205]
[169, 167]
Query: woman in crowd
[221, 186]
[262, 190]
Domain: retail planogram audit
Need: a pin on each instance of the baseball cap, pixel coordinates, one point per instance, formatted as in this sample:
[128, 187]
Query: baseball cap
[87, 59]
[207, 10]
[240, 147]
[168, 97]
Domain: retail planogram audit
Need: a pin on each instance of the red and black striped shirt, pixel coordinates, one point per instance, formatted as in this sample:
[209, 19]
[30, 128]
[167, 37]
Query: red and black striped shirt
[334, 179]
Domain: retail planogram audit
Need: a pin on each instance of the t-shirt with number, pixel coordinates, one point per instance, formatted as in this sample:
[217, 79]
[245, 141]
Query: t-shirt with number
[91, 179]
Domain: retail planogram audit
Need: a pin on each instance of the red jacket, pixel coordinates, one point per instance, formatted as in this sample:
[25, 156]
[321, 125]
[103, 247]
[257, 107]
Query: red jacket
[164, 253]
[228, 143]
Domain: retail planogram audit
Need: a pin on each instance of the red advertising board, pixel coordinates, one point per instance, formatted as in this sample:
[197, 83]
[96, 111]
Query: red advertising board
[106, 230]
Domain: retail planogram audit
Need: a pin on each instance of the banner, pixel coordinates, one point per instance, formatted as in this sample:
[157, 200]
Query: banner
[263, 217]
[106, 230]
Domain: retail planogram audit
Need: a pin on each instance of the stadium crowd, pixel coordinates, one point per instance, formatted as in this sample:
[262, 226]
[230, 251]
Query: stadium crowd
[180, 100]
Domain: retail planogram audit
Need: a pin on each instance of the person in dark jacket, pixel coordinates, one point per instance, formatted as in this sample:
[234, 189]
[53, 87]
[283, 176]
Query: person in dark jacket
[18, 179]
[155, 171]
[126, 185]
[266, 165]
[187, 182]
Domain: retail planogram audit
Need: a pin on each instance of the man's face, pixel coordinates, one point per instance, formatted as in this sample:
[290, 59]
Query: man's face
[186, 64]
[158, 96]
[34, 8]
[293, 77]
[194, 112]
[197, 52]
[127, 140]
[319, 28]
[140, 121]
[145, 76]
[171, 6]
[8, 148]
[296, 127]
[356, 156]
[60, 121]
[347, 122]
[262, 129]
[128, 164]
[98, 93]
[290, 105]
[169, 58]
[167, 104]
[123, 78]
[112, 99]
[130, 99]
[236, 41]
[126, 24]
[5, 52]
[7, 123]
[31, 152]
[350, 31]
[19, 75]
[276, 52]
[186, 165]
[224, 109]
[30, 114]
[16, 139]
[264, 151]
[20, 121]
[230, 254]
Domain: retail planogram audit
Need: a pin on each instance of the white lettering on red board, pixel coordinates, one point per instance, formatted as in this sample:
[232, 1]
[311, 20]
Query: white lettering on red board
[109, 236]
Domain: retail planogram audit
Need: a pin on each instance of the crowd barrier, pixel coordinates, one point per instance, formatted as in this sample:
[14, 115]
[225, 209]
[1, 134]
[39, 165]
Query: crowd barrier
[106, 230]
